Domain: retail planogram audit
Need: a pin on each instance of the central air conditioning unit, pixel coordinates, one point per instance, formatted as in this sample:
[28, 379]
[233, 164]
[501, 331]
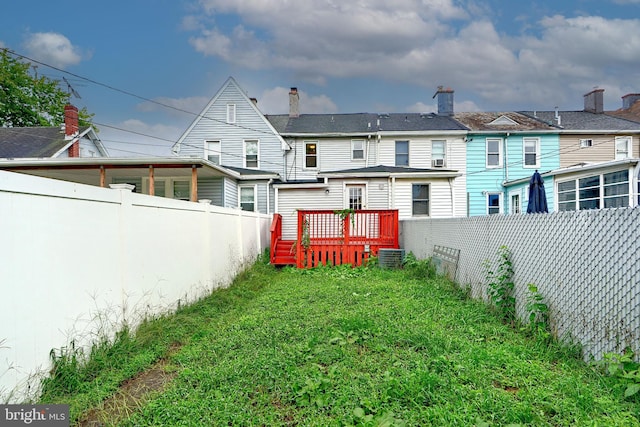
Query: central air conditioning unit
[390, 258]
[438, 163]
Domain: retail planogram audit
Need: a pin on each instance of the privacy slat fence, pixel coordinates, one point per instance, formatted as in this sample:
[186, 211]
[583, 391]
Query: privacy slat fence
[586, 264]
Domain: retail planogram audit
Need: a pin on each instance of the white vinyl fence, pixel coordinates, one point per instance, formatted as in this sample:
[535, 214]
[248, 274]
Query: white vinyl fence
[586, 264]
[78, 261]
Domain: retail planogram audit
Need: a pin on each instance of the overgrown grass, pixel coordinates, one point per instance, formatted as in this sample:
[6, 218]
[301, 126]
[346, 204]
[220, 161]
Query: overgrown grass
[341, 346]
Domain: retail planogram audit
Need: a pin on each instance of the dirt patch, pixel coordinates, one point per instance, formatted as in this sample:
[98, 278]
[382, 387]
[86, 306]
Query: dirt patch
[131, 395]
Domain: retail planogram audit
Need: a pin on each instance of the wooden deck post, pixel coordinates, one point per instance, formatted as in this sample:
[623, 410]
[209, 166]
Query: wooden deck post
[103, 178]
[194, 183]
[152, 181]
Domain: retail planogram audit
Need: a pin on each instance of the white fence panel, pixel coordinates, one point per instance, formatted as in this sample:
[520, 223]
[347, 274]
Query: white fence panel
[586, 264]
[79, 261]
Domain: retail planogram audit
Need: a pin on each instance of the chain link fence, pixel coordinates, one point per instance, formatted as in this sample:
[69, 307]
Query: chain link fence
[586, 264]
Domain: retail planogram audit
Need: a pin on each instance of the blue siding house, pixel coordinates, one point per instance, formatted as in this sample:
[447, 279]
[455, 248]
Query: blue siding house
[503, 147]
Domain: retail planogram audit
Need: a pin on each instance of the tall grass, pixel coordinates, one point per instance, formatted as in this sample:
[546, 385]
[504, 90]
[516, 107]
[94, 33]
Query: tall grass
[342, 346]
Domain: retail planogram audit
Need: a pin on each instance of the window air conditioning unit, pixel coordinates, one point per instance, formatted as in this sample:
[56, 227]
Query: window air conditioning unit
[438, 163]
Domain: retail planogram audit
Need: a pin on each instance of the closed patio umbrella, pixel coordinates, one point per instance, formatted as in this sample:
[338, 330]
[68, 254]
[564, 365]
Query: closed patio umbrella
[537, 196]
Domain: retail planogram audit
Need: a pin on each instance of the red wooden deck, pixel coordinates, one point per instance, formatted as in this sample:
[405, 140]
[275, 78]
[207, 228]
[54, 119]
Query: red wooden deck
[327, 237]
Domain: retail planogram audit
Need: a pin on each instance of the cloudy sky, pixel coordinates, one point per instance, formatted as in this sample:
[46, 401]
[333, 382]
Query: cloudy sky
[146, 67]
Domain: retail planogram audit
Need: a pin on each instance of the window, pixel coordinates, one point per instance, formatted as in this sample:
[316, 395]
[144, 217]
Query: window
[357, 149]
[609, 190]
[493, 203]
[616, 189]
[402, 153]
[567, 196]
[420, 199]
[181, 190]
[515, 203]
[212, 151]
[531, 152]
[494, 152]
[311, 155]
[623, 147]
[584, 143]
[355, 193]
[251, 153]
[231, 113]
[438, 156]
[248, 198]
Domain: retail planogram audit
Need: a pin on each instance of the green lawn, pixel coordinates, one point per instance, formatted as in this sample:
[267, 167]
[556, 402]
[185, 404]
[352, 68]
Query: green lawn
[366, 347]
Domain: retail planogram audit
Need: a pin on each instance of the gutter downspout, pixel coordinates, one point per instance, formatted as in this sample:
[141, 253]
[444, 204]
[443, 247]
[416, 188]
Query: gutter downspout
[506, 171]
[268, 191]
[453, 200]
[393, 192]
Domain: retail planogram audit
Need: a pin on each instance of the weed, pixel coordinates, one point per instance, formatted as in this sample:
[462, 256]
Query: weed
[500, 286]
[538, 313]
[419, 268]
[624, 368]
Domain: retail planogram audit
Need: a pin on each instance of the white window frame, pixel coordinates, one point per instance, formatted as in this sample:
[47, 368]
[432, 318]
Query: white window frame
[602, 189]
[208, 151]
[362, 186]
[231, 113]
[518, 194]
[413, 200]
[245, 143]
[586, 142]
[524, 152]
[443, 156]
[486, 147]
[622, 154]
[354, 149]
[254, 188]
[395, 152]
[316, 155]
[500, 197]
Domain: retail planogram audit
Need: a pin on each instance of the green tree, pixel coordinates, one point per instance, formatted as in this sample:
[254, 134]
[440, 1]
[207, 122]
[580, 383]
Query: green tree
[29, 100]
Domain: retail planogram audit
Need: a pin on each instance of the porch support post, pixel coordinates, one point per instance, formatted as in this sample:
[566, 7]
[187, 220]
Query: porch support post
[152, 181]
[194, 183]
[103, 178]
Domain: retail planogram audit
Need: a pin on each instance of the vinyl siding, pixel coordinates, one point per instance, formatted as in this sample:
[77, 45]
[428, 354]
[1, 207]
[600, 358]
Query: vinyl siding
[230, 193]
[439, 197]
[212, 189]
[290, 200]
[603, 149]
[249, 125]
[482, 180]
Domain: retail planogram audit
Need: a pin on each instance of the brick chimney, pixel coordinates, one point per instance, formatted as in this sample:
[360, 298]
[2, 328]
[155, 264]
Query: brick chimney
[629, 99]
[445, 101]
[71, 129]
[594, 101]
[294, 102]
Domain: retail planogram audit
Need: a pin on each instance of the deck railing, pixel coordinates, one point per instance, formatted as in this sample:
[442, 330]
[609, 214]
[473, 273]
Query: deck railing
[344, 237]
[276, 235]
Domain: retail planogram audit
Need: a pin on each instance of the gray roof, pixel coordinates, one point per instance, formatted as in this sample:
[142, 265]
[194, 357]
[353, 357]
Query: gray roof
[502, 122]
[583, 120]
[361, 123]
[244, 171]
[389, 169]
[32, 142]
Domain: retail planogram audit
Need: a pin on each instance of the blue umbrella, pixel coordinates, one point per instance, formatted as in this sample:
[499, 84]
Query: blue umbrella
[537, 196]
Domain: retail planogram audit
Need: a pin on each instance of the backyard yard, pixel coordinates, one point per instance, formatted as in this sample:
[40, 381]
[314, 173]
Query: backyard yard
[336, 346]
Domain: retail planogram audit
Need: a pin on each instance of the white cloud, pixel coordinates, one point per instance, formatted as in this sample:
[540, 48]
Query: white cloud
[53, 49]
[426, 43]
[276, 101]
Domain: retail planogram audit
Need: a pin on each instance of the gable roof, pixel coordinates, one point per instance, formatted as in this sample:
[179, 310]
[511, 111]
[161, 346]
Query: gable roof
[361, 123]
[40, 141]
[584, 121]
[502, 121]
[203, 114]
